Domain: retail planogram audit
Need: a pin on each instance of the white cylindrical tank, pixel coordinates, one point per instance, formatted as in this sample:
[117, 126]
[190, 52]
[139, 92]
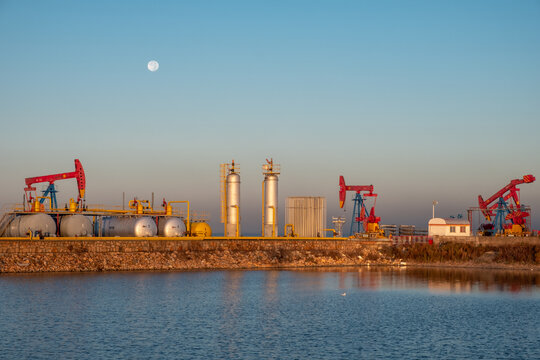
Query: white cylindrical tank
[270, 205]
[233, 204]
[36, 223]
[129, 226]
[76, 225]
[171, 226]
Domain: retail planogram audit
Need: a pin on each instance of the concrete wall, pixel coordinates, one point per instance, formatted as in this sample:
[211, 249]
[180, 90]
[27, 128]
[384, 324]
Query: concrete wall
[163, 254]
[115, 254]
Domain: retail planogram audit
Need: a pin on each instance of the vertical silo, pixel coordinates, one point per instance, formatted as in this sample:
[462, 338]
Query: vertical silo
[232, 201]
[270, 198]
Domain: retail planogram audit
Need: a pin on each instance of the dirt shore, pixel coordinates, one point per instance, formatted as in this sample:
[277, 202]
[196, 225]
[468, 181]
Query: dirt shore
[126, 255]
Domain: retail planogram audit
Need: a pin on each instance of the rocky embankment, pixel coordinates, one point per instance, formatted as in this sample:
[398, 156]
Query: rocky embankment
[137, 254]
[119, 255]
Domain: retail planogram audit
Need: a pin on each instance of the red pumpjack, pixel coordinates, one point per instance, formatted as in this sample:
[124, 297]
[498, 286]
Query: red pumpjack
[78, 174]
[368, 222]
[515, 215]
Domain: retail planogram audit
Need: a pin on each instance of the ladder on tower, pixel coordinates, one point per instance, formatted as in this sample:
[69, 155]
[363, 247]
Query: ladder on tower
[223, 190]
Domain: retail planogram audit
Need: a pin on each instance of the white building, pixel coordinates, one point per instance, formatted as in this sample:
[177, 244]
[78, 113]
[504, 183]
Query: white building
[449, 227]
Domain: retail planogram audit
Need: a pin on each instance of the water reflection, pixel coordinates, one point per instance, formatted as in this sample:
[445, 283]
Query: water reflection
[437, 280]
[272, 314]
[464, 280]
[231, 309]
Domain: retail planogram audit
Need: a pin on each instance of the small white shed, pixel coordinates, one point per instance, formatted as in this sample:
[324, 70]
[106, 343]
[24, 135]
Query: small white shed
[449, 227]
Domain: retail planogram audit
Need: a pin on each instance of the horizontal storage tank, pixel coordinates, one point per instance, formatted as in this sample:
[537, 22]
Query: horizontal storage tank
[171, 227]
[35, 223]
[129, 226]
[76, 225]
[201, 229]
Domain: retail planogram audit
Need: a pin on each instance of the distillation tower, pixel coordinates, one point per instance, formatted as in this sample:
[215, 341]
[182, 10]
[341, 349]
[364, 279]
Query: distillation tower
[230, 199]
[270, 198]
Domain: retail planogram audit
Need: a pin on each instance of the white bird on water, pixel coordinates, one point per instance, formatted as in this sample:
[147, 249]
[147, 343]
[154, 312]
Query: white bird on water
[344, 294]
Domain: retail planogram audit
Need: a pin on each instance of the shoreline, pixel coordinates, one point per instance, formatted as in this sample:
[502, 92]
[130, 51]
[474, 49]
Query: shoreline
[445, 267]
[140, 254]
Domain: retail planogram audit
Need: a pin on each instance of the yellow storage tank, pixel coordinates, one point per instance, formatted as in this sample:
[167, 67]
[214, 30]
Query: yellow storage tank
[200, 228]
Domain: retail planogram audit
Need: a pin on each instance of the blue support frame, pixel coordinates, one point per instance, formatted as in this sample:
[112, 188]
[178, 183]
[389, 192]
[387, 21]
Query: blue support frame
[359, 206]
[500, 217]
[51, 189]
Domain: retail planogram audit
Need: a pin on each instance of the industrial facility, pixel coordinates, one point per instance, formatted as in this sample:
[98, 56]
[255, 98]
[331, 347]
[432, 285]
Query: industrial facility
[39, 215]
[503, 213]
[363, 222]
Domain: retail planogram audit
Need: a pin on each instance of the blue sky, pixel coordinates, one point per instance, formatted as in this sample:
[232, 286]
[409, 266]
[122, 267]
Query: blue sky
[426, 100]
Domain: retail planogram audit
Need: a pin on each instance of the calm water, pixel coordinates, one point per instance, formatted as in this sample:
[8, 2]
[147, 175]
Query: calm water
[345, 313]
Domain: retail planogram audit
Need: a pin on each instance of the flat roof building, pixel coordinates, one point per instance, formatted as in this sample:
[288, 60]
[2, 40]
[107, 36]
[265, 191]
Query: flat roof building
[449, 227]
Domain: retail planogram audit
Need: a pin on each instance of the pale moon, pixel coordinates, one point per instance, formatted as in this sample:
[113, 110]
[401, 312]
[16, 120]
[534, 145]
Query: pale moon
[153, 65]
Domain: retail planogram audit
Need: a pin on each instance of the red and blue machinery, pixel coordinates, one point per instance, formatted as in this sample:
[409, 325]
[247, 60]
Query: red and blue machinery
[51, 189]
[362, 220]
[503, 210]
